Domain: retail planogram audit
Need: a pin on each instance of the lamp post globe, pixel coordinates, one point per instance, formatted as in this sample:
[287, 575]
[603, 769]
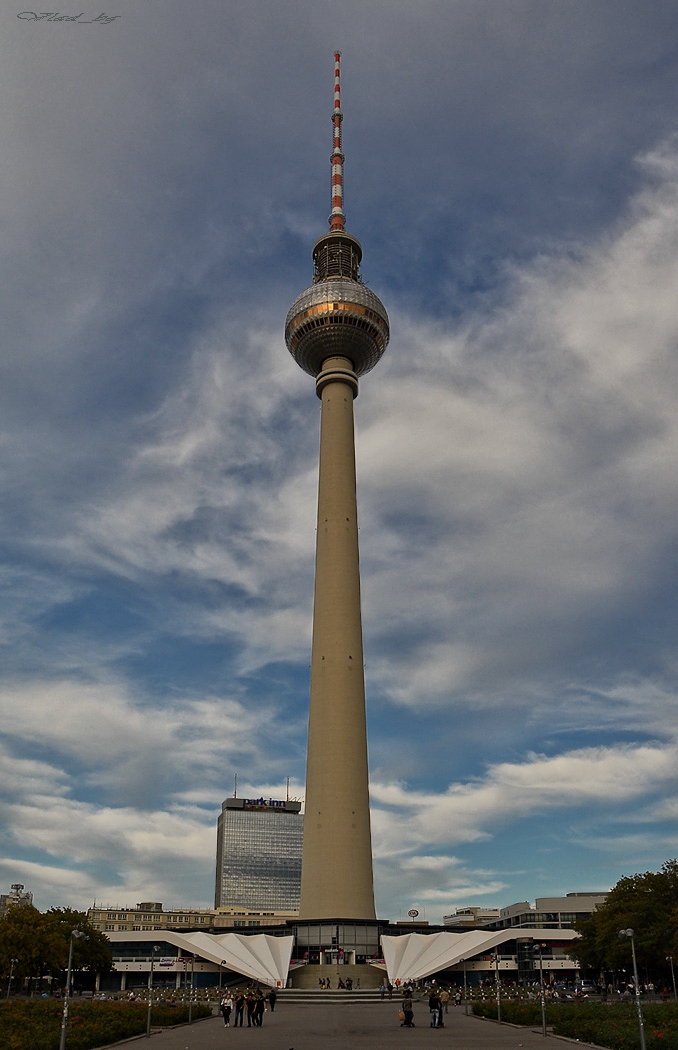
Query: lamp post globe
[76, 935]
[669, 959]
[12, 964]
[154, 949]
[540, 945]
[639, 1007]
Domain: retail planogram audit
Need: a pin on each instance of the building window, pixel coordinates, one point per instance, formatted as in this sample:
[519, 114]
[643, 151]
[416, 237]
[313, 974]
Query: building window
[110, 926]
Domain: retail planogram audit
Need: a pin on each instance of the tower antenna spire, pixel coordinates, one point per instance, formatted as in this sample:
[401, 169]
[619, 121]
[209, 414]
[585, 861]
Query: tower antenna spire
[337, 217]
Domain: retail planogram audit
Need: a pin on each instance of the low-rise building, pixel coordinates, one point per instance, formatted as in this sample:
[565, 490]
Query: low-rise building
[549, 913]
[470, 917]
[151, 916]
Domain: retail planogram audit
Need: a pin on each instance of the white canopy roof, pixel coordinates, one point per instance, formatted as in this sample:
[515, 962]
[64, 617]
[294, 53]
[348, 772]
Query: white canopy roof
[260, 956]
[416, 955]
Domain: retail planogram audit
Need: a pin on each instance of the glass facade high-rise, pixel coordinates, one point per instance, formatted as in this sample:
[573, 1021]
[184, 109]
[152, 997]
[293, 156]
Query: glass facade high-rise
[259, 844]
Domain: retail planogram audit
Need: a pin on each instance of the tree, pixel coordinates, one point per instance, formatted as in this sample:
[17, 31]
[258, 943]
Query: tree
[39, 943]
[92, 954]
[647, 904]
[28, 937]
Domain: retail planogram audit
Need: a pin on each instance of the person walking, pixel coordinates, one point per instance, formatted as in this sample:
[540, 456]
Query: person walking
[239, 1009]
[408, 1010]
[226, 1005]
[434, 1006]
[272, 998]
[259, 1008]
[249, 1006]
[445, 999]
[382, 989]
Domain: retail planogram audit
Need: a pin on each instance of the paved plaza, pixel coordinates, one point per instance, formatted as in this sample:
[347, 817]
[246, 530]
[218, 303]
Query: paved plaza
[369, 1026]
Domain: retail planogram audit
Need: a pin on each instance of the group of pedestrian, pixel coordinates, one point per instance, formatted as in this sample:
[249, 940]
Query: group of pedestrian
[250, 1003]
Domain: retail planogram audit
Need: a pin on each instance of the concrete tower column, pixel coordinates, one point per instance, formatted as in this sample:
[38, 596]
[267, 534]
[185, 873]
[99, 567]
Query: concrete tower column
[336, 879]
[337, 330]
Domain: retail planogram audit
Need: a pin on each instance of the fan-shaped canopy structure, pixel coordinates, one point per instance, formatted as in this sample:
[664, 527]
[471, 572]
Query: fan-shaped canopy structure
[416, 955]
[259, 956]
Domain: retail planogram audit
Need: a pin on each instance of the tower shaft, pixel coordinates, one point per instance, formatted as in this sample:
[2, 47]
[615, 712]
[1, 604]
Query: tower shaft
[336, 879]
[337, 330]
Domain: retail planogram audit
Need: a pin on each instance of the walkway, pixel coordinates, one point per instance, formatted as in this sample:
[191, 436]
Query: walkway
[365, 1027]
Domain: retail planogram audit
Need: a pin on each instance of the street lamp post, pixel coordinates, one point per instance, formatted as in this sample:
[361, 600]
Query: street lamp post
[639, 1008]
[539, 946]
[498, 986]
[465, 990]
[669, 959]
[76, 935]
[190, 1001]
[154, 949]
[12, 963]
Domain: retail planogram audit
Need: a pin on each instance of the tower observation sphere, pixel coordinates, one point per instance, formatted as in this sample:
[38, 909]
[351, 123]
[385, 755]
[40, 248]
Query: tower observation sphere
[337, 330]
[338, 314]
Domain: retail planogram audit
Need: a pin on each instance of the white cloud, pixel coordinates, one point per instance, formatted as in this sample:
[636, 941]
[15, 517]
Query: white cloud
[406, 820]
[516, 477]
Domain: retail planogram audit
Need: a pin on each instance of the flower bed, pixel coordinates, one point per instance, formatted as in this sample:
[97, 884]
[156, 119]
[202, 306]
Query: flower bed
[613, 1025]
[35, 1024]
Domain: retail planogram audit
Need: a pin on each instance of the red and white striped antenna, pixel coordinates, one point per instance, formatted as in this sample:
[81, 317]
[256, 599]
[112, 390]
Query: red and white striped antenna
[337, 217]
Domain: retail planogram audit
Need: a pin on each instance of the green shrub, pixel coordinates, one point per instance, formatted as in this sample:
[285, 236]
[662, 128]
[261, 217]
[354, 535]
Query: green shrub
[35, 1024]
[613, 1025]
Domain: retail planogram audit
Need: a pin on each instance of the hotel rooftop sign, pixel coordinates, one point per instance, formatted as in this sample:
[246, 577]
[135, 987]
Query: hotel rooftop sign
[262, 803]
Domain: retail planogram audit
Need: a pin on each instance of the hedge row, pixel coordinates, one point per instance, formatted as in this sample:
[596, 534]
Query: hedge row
[35, 1024]
[613, 1025]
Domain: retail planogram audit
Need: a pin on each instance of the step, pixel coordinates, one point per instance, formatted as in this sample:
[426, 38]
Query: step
[335, 996]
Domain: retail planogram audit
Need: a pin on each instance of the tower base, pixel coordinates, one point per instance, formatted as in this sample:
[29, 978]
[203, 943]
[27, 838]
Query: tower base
[312, 975]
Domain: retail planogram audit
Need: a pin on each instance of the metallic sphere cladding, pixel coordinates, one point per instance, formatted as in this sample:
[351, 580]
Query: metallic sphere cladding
[340, 318]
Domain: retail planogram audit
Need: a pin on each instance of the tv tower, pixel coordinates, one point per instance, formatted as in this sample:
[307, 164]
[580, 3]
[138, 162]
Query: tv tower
[337, 330]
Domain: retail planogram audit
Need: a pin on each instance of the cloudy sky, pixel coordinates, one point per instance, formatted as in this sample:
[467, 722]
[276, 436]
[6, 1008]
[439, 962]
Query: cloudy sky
[512, 173]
